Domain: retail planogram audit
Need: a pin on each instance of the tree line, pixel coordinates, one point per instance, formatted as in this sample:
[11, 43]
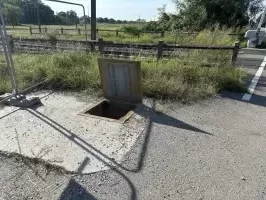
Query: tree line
[32, 11]
[191, 15]
[195, 15]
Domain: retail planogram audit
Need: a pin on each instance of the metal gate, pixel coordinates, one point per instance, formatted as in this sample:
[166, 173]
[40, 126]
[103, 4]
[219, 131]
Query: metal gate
[7, 65]
[8, 73]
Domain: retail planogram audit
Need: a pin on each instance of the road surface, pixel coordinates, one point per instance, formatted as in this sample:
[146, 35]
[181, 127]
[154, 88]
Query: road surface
[212, 149]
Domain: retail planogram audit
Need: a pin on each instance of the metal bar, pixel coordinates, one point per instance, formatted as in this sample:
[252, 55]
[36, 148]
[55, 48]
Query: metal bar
[84, 13]
[38, 16]
[93, 20]
[23, 91]
[7, 98]
[235, 53]
[8, 54]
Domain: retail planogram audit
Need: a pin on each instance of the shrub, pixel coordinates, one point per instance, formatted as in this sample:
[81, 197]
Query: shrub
[132, 30]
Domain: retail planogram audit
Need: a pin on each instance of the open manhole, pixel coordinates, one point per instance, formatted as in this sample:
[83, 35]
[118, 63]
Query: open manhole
[114, 111]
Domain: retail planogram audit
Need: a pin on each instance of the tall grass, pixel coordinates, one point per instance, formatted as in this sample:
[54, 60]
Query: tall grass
[175, 78]
[205, 37]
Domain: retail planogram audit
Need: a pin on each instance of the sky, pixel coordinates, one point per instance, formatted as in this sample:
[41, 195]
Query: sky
[118, 9]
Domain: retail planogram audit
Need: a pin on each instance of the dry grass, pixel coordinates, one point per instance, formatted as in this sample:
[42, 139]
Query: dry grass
[205, 37]
[204, 75]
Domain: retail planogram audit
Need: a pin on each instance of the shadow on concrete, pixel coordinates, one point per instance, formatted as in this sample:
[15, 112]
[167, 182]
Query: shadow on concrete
[87, 147]
[154, 116]
[163, 119]
[4, 116]
[75, 191]
[149, 113]
[255, 99]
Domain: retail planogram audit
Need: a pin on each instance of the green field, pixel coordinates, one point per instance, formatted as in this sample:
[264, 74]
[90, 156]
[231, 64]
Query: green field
[206, 37]
[199, 74]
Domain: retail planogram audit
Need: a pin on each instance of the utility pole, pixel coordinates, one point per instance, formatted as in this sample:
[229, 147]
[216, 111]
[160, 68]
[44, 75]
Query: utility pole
[38, 16]
[93, 20]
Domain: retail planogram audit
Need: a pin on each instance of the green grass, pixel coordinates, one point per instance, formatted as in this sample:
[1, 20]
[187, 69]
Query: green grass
[189, 76]
[206, 37]
[175, 79]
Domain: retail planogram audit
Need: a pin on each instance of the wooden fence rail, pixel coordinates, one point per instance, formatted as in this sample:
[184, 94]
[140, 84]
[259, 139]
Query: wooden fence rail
[160, 49]
[36, 30]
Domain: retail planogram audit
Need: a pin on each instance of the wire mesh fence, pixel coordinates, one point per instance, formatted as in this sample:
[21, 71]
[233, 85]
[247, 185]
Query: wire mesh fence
[5, 84]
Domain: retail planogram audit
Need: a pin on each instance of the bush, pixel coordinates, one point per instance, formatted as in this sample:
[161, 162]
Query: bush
[132, 30]
[152, 26]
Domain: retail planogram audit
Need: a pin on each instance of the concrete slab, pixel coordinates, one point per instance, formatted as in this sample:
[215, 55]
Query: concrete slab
[57, 133]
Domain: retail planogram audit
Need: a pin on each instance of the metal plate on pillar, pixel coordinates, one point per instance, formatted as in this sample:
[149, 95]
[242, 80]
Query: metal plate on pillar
[121, 80]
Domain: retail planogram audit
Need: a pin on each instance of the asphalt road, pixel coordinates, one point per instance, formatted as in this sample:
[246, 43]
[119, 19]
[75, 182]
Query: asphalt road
[213, 149]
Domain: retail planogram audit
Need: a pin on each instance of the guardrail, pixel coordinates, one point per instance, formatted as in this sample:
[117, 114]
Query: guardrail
[160, 49]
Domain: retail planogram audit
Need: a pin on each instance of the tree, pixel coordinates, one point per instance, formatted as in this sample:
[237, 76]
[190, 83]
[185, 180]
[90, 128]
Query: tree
[112, 21]
[198, 14]
[12, 14]
[106, 20]
[30, 12]
[72, 17]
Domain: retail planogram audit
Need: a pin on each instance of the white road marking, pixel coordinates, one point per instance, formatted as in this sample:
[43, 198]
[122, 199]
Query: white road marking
[254, 82]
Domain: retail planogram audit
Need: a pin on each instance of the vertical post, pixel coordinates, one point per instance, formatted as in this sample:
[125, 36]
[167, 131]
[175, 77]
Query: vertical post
[53, 43]
[30, 30]
[97, 31]
[62, 31]
[11, 43]
[8, 55]
[235, 53]
[38, 16]
[93, 20]
[45, 29]
[116, 32]
[160, 50]
[79, 31]
[101, 45]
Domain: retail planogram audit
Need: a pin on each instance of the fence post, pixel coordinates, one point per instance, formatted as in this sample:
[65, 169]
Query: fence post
[162, 34]
[235, 53]
[160, 50]
[62, 31]
[30, 30]
[101, 45]
[97, 31]
[116, 32]
[53, 43]
[11, 43]
[79, 31]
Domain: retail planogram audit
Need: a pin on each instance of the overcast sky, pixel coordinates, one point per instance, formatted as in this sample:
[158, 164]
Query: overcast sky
[118, 9]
